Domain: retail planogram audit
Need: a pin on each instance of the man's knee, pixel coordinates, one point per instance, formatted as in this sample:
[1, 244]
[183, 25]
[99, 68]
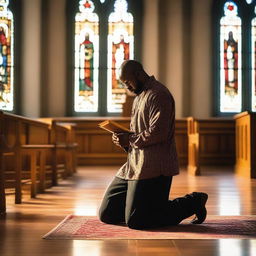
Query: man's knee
[135, 222]
[104, 215]
[108, 216]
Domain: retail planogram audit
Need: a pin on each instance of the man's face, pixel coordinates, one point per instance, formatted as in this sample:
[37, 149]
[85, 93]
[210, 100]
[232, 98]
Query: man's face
[132, 83]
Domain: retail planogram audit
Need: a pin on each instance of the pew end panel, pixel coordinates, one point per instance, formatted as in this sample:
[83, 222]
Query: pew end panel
[211, 142]
[246, 144]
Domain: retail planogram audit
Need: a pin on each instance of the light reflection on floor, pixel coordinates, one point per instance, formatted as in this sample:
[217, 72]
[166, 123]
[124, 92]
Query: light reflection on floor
[81, 209]
[253, 247]
[229, 200]
[229, 205]
[230, 247]
[81, 248]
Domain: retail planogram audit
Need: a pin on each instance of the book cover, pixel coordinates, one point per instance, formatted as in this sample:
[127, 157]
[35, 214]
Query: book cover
[113, 127]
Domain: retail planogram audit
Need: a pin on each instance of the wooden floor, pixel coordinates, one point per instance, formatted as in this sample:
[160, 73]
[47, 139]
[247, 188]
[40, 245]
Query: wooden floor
[24, 225]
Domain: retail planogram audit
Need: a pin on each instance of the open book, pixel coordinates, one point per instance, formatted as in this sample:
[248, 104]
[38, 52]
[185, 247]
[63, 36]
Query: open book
[113, 127]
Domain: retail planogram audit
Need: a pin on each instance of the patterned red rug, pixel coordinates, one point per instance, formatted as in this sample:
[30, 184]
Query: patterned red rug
[215, 227]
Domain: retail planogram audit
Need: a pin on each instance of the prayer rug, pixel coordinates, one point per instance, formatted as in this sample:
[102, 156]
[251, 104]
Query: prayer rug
[215, 227]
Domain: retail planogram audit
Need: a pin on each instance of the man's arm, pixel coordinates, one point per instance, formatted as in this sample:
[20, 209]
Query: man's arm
[121, 140]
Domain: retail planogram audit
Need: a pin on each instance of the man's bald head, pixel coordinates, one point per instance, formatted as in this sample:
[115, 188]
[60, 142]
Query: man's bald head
[130, 67]
[133, 76]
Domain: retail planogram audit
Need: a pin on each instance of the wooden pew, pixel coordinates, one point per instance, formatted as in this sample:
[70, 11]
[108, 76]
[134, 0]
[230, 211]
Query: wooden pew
[62, 136]
[27, 142]
[246, 144]
[181, 138]
[210, 142]
[5, 148]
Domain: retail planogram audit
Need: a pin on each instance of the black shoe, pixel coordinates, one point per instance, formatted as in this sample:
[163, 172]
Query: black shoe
[201, 211]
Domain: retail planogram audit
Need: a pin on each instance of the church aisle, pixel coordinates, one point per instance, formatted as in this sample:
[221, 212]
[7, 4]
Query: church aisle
[24, 225]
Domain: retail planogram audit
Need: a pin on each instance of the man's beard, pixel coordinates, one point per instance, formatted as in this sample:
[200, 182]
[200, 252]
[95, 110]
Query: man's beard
[139, 87]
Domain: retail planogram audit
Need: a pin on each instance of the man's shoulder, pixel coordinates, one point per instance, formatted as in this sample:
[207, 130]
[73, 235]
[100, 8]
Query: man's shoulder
[157, 89]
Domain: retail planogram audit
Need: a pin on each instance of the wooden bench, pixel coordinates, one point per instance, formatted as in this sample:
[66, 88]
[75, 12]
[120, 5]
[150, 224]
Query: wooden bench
[210, 142]
[181, 138]
[23, 157]
[62, 136]
[246, 144]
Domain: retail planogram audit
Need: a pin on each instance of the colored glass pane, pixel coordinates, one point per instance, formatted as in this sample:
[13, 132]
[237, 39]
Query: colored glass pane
[230, 60]
[6, 57]
[86, 58]
[253, 87]
[120, 48]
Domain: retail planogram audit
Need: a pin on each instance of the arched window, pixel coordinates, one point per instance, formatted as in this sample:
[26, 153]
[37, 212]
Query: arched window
[86, 58]
[230, 59]
[120, 48]
[6, 57]
[234, 54]
[105, 35]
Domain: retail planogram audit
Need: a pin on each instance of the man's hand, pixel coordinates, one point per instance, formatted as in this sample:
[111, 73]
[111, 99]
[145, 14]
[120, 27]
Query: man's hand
[121, 139]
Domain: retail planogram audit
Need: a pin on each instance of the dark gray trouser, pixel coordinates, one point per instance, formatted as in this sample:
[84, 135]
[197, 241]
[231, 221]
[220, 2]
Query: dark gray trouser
[143, 204]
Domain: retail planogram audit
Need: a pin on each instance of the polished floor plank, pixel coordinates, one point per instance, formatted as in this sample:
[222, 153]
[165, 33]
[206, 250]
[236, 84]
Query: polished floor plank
[24, 225]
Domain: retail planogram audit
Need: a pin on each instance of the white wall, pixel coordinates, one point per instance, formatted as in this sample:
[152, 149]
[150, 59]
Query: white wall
[31, 58]
[150, 37]
[201, 57]
[170, 50]
[56, 68]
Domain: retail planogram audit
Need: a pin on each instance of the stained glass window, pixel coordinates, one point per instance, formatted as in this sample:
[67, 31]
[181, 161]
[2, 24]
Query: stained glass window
[86, 58]
[230, 60]
[253, 90]
[6, 57]
[120, 48]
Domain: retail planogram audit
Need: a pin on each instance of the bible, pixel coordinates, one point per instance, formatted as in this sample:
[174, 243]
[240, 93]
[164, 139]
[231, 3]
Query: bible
[113, 127]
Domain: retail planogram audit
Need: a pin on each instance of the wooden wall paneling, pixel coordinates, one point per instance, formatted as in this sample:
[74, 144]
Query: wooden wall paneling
[95, 146]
